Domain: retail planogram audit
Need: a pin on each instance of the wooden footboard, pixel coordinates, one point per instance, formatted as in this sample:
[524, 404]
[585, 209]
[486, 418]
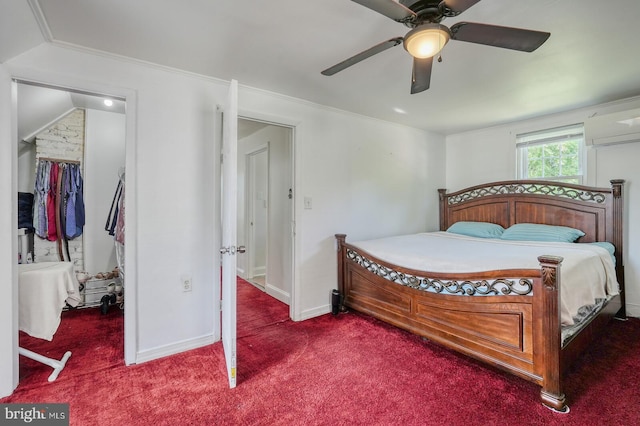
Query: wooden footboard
[500, 330]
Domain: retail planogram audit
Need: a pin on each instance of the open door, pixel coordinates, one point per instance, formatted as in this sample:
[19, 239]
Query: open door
[228, 249]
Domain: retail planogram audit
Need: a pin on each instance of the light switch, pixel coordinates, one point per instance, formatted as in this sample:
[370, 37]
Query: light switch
[307, 203]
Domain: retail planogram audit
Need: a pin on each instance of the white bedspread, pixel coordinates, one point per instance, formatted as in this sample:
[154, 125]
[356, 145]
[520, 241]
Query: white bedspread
[587, 272]
[44, 288]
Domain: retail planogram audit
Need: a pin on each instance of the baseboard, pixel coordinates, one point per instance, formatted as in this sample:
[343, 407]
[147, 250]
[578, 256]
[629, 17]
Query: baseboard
[261, 270]
[174, 348]
[315, 312]
[633, 310]
[278, 293]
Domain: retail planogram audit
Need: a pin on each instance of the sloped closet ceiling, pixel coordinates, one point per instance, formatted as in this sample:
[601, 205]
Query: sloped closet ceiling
[39, 106]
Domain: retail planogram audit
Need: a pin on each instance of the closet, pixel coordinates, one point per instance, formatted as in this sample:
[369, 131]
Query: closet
[84, 140]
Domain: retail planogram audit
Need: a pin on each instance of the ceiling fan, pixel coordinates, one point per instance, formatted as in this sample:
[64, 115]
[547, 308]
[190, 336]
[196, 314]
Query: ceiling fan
[428, 36]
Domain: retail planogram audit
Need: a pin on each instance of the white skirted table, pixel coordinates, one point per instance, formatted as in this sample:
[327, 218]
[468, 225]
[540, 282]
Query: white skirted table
[44, 289]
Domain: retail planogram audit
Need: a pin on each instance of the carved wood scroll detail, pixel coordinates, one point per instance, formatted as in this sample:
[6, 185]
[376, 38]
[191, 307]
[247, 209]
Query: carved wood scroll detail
[549, 266]
[529, 188]
[549, 277]
[494, 287]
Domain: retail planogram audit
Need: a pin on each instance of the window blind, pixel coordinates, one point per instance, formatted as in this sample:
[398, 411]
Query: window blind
[547, 136]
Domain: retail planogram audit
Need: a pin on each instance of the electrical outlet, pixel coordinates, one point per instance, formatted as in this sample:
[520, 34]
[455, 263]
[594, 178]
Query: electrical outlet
[187, 285]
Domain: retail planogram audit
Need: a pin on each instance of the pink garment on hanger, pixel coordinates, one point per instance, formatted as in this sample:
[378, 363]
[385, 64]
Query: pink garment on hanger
[52, 231]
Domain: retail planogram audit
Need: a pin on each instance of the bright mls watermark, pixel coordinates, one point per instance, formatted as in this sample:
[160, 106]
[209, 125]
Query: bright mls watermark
[34, 414]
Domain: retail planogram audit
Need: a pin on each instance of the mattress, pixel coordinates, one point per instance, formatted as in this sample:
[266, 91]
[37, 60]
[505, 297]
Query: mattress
[587, 271]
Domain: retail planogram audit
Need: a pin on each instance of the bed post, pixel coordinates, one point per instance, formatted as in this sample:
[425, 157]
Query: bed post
[551, 393]
[340, 239]
[618, 215]
[443, 214]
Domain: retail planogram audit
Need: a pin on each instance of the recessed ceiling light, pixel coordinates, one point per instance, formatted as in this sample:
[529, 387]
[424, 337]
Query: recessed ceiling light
[399, 110]
[108, 102]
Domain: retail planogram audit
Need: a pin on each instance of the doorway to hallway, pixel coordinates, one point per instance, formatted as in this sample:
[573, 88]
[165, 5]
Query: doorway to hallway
[265, 206]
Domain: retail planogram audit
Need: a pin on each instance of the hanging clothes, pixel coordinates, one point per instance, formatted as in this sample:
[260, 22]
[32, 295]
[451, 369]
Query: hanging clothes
[70, 203]
[112, 217]
[40, 198]
[79, 203]
[115, 219]
[59, 198]
[58, 208]
[74, 203]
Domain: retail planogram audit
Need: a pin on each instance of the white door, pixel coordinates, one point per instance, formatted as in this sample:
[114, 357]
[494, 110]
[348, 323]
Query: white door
[228, 250]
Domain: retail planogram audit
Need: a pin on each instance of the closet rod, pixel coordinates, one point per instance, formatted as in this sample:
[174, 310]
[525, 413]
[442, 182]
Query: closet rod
[58, 160]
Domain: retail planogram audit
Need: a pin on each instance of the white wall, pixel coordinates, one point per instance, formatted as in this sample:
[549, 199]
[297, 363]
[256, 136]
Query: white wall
[26, 167]
[279, 249]
[490, 155]
[367, 178]
[104, 154]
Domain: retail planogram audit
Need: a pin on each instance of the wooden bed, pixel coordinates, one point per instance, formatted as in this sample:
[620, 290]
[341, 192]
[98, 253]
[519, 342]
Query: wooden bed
[517, 333]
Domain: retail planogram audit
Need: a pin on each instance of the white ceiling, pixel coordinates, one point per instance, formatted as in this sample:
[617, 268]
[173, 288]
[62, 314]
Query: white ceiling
[282, 45]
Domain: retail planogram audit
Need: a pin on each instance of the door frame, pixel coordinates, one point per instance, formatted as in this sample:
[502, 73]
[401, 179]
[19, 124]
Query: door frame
[296, 128]
[72, 84]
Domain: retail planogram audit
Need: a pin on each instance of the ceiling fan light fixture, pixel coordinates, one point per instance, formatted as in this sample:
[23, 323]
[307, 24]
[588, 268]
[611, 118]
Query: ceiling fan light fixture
[427, 40]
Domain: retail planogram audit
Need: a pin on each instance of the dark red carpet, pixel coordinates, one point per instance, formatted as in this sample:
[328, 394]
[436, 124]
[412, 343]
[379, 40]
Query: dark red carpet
[344, 370]
[257, 310]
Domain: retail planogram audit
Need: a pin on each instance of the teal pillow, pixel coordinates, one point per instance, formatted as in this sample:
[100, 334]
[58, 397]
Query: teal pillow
[538, 232]
[477, 229]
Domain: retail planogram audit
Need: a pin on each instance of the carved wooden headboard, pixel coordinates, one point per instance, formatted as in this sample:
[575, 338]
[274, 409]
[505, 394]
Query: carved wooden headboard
[597, 212]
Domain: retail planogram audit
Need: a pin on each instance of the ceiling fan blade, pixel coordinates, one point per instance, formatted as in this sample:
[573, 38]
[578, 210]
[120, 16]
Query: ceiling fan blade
[388, 8]
[421, 74]
[493, 35]
[459, 6]
[363, 55]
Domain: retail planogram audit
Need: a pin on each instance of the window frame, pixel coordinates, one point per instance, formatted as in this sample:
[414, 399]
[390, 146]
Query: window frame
[551, 136]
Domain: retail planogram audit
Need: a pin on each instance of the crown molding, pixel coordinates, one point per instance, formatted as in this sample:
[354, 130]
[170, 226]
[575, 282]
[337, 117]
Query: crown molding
[41, 20]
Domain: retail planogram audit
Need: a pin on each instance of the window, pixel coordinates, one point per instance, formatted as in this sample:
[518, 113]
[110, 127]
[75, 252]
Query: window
[552, 154]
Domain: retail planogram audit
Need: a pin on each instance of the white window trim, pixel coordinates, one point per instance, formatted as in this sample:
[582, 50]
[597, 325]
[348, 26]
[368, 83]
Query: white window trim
[548, 136]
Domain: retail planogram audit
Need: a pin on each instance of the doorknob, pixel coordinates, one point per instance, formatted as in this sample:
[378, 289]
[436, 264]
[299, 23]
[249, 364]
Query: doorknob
[232, 250]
